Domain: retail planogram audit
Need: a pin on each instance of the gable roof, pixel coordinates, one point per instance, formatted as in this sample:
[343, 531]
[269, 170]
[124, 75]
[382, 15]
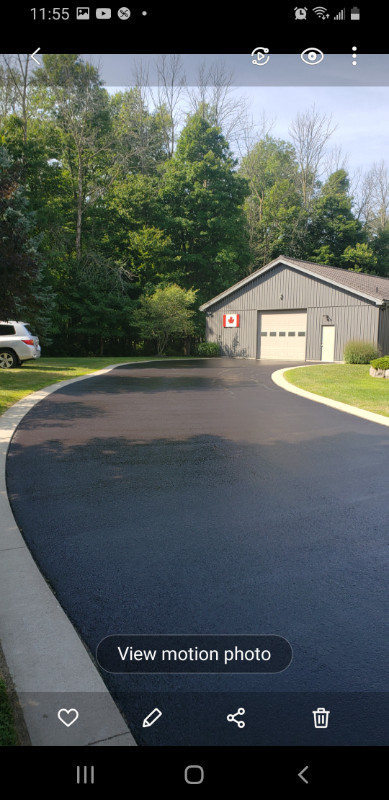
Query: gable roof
[371, 287]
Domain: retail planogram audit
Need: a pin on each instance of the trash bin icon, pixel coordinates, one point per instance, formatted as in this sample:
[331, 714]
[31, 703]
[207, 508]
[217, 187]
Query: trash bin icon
[320, 718]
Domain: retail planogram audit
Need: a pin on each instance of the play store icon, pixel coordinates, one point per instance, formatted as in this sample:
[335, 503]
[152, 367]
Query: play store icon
[103, 13]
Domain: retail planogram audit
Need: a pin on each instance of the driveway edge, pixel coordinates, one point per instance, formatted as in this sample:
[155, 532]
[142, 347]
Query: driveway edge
[48, 663]
[278, 378]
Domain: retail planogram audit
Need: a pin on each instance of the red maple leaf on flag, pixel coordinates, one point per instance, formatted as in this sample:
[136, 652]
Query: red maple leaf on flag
[231, 320]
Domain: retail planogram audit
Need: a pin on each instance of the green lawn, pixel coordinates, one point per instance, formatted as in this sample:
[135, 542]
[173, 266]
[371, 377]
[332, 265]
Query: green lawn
[8, 734]
[34, 375]
[347, 383]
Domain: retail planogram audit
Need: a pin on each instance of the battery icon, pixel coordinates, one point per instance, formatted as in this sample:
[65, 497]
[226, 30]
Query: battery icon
[355, 13]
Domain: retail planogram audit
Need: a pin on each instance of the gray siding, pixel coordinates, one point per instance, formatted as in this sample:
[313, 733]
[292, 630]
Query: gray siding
[353, 317]
[383, 331]
[351, 322]
[239, 342]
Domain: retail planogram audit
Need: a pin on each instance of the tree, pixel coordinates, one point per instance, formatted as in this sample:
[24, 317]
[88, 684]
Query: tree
[310, 132]
[139, 138]
[373, 197]
[360, 258]
[80, 107]
[201, 198]
[15, 77]
[215, 99]
[134, 229]
[18, 255]
[171, 82]
[380, 246]
[333, 227]
[165, 314]
[273, 209]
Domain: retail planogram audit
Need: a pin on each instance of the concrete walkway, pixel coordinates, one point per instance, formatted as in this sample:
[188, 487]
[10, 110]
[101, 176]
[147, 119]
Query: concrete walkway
[49, 665]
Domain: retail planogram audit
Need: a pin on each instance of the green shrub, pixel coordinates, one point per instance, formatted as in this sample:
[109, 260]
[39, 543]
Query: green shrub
[380, 363]
[208, 349]
[356, 352]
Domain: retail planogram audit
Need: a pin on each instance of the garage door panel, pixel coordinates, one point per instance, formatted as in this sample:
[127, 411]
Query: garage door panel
[282, 336]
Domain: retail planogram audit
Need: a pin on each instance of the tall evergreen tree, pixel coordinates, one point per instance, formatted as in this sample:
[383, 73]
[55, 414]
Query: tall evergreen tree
[203, 198]
[333, 227]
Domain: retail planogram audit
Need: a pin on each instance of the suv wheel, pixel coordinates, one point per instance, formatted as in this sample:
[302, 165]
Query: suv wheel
[8, 359]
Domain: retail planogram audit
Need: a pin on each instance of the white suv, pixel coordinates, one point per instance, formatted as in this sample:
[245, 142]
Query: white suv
[17, 344]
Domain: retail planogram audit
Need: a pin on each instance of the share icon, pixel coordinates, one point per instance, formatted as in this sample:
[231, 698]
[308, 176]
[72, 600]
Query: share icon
[232, 717]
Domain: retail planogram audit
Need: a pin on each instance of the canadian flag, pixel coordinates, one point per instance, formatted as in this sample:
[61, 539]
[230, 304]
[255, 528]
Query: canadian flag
[230, 320]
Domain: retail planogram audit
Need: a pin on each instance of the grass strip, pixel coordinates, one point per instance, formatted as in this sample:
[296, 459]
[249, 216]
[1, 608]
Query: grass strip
[347, 383]
[34, 375]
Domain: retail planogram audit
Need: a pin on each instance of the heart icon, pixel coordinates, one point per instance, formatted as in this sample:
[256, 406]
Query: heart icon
[68, 716]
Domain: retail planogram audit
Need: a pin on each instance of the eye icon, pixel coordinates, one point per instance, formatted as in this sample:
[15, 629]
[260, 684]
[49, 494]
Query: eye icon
[312, 55]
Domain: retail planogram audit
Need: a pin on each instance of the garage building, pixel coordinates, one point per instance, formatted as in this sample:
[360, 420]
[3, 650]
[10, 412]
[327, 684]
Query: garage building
[292, 310]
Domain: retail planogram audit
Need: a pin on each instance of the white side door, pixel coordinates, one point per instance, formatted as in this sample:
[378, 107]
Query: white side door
[327, 342]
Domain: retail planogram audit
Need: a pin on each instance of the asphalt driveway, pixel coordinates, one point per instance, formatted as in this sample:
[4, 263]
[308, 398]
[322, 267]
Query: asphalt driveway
[188, 497]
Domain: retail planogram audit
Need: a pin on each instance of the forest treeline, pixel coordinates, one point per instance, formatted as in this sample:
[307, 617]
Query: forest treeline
[113, 214]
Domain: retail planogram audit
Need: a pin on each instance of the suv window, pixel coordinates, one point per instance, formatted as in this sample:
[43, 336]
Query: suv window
[7, 330]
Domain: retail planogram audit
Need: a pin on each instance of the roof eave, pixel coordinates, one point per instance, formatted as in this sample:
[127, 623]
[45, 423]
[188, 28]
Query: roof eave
[283, 260]
[241, 283]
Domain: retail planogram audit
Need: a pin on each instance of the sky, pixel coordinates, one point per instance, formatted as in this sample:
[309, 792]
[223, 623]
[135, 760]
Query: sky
[361, 114]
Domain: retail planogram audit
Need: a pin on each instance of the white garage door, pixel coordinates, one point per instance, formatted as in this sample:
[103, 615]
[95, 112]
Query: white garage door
[282, 336]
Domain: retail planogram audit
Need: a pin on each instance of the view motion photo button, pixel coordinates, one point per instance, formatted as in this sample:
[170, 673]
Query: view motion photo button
[194, 654]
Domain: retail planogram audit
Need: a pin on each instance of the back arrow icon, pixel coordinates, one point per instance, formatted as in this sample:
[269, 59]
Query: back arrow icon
[301, 775]
[34, 54]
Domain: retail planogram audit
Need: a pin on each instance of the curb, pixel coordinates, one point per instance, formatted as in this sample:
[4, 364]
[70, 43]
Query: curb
[278, 378]
[47, 661]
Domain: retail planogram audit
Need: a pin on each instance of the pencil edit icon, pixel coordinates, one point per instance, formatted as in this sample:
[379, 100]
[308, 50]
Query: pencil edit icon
[151, 718]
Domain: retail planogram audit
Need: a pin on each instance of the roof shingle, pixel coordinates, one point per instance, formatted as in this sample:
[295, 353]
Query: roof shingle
[369, 284]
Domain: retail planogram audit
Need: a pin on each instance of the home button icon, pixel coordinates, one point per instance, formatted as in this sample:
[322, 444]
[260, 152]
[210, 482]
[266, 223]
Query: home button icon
[194, 774]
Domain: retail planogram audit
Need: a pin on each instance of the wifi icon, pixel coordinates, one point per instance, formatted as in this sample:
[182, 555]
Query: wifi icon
[321, 12]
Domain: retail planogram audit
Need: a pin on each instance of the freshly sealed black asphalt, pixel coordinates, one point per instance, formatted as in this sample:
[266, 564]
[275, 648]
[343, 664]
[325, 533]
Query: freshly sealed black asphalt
[197, 497]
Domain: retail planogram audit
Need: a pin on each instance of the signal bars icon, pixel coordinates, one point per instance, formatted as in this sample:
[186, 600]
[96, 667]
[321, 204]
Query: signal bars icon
[354, 14]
